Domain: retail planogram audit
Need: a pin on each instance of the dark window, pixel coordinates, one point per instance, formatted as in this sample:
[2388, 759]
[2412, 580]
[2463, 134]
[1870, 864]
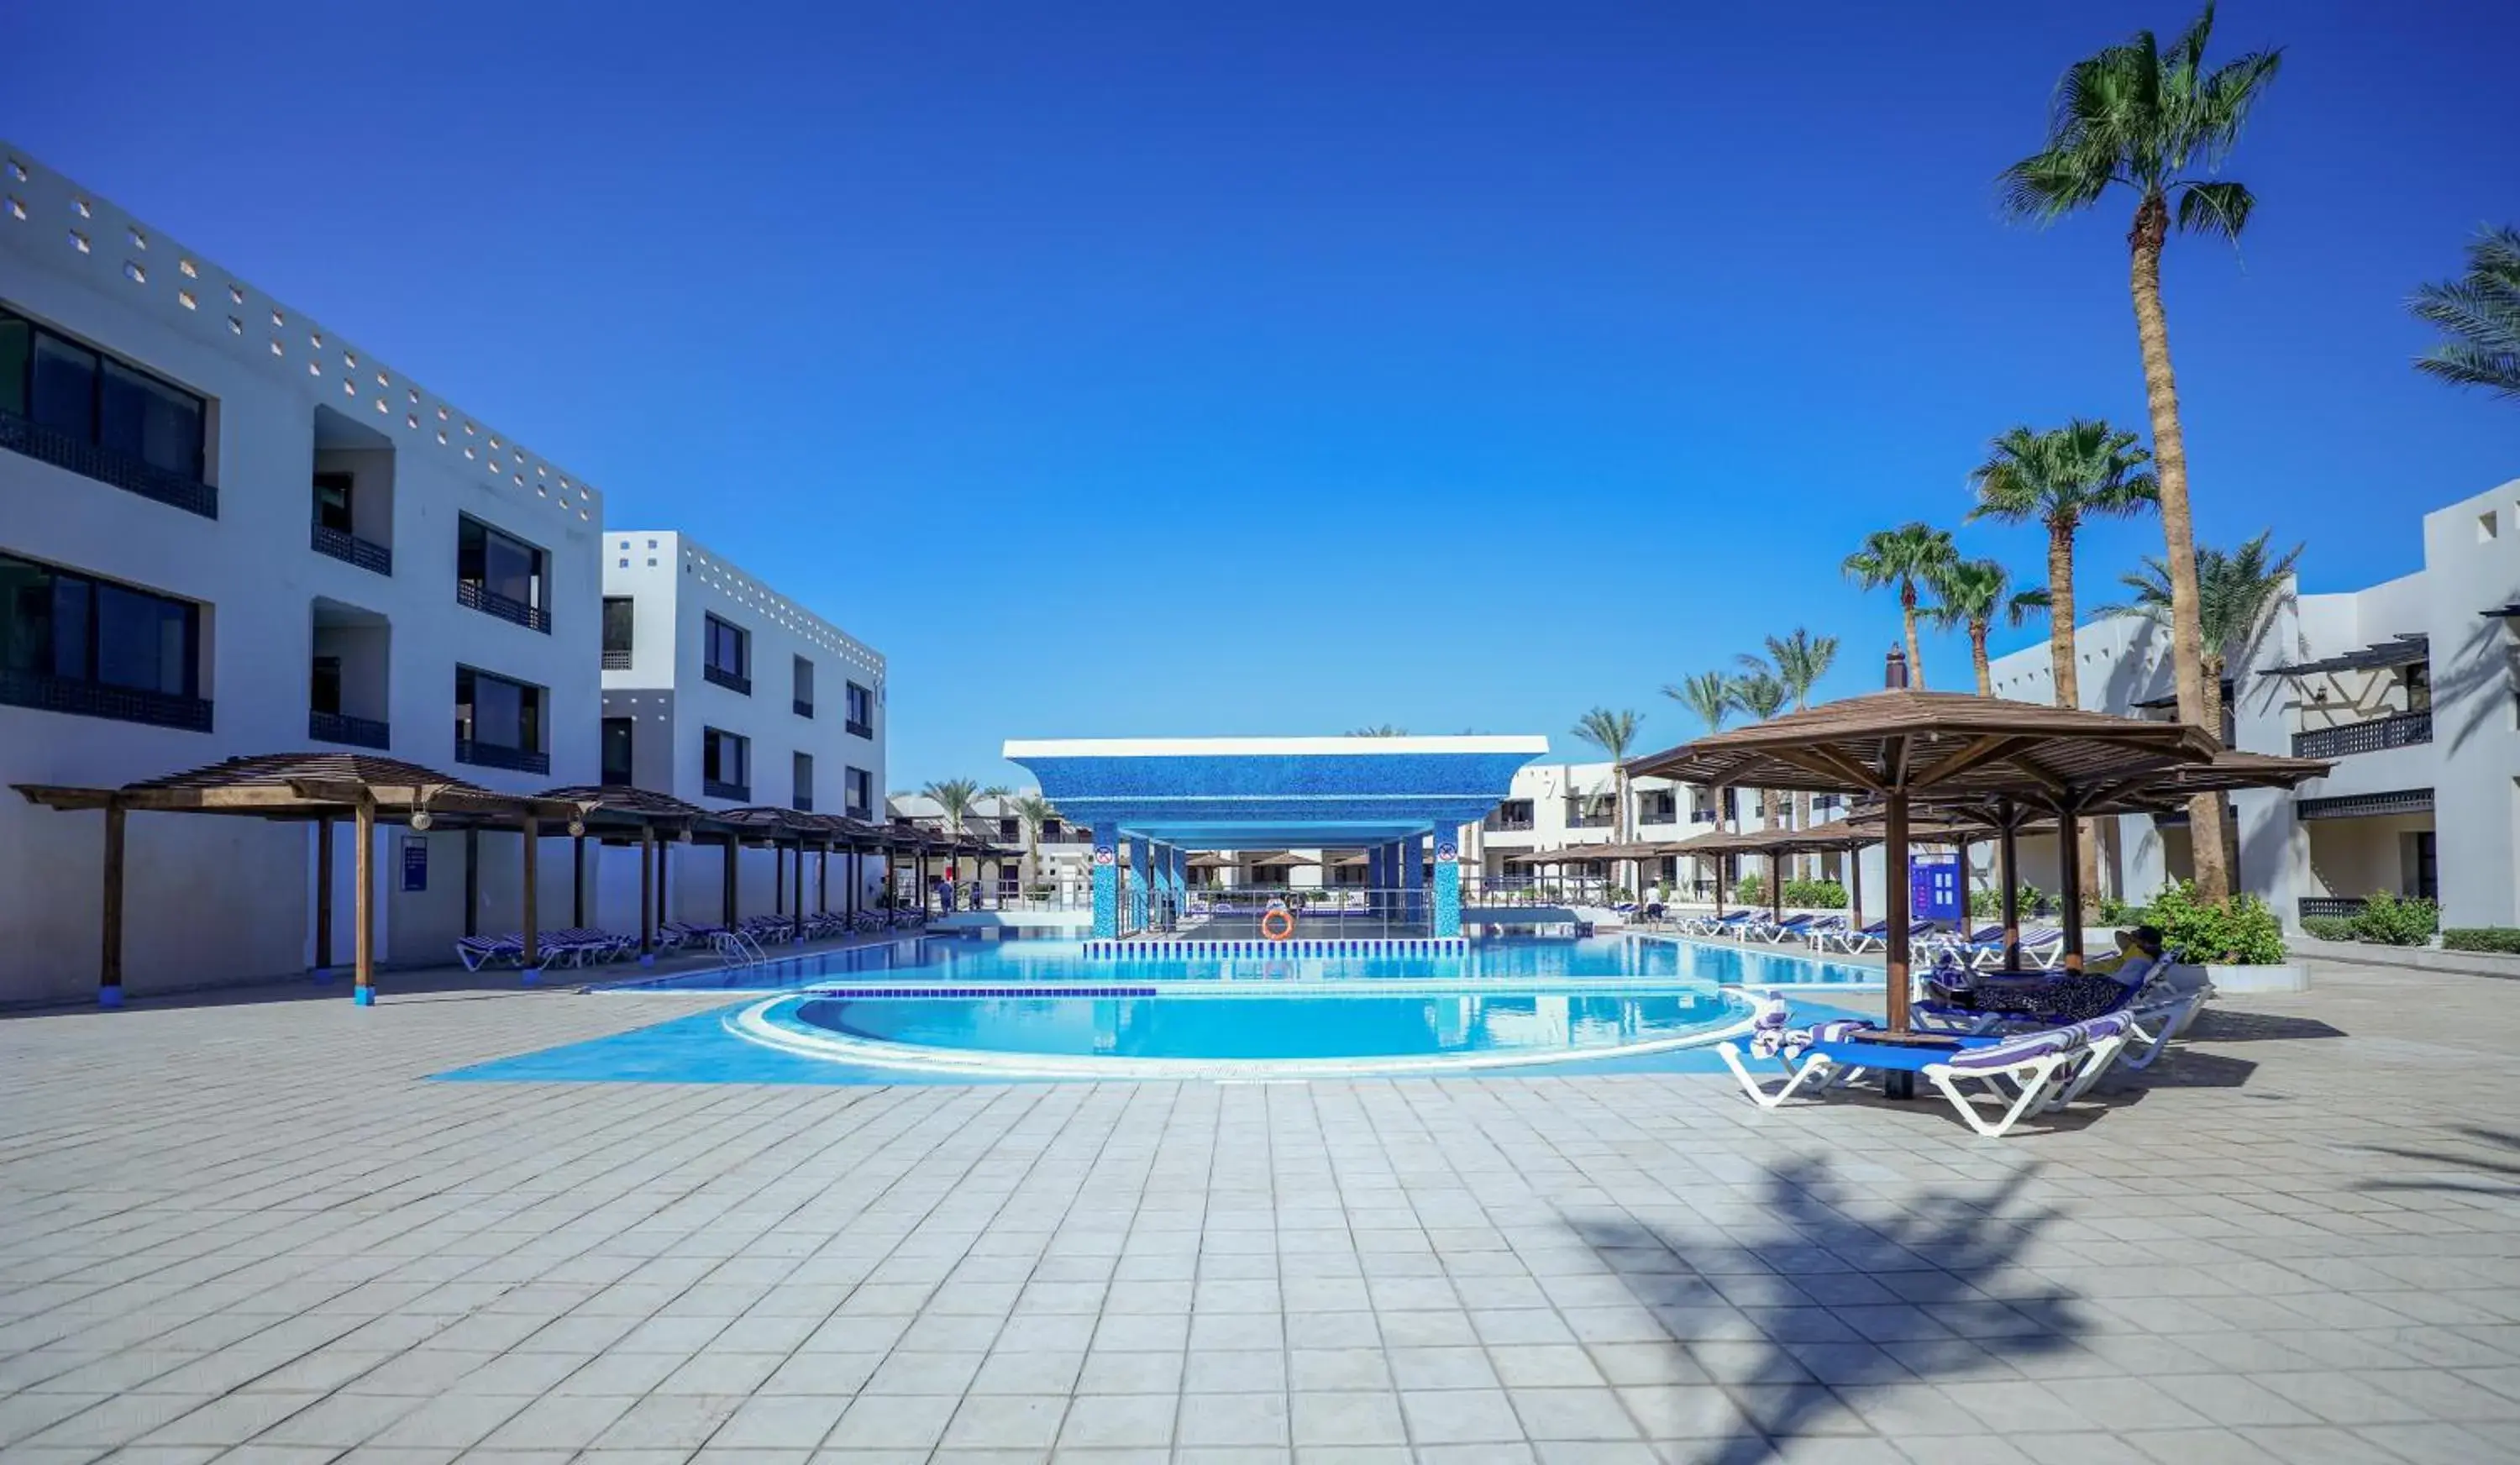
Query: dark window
[1051, 831]
[2427, 870]
[323, 686]
[333, 500]
[725, 772]
[96, 416]
[61, 632]
[1731, 805]
[492, 711]
[804, 779]
[617, 752]
[500, 575]
[620, 613]
[804, 691]
[726, 647]
[1657, 807]
[861, 711]
[861, 793]
[1010, 830]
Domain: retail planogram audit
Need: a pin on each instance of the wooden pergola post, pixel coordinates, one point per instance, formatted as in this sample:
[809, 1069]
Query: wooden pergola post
[1894, 935]
[647, 889]
[2007, 870]
[577, 881]
[1855, 889]
[108, 979]
[471, 882]
[665, 886]
[851, 873]
[324, 898]
[796, 891]
[823, 879]
[533, 835]
[778, 878]
[363, 912]
[2069, 883]
[726, 894]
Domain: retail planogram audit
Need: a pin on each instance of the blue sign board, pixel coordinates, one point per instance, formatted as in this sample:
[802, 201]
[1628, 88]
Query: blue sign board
[415, 862]
[1934, 886]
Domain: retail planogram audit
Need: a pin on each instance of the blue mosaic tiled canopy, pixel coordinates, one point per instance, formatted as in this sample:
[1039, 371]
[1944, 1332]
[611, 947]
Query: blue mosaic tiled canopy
[1249, 793]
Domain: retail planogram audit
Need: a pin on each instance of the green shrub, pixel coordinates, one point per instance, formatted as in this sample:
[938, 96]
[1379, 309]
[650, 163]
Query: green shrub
[2386, 920]
[2239, 932]
[2482, 939]
[1985, 905]
[1750, 890]
[2329, 927]
[2117, 913]
[1815, 895]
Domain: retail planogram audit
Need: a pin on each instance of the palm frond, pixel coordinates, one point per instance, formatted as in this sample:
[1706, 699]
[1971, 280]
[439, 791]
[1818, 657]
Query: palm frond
[2027, 606]
[2218, 209]
[1709, 695]
[2480, 311]
[1611, 732]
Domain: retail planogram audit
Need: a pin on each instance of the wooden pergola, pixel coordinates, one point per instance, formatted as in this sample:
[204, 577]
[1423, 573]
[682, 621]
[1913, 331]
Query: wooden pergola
[320, 788]
[616, 814]
[1949, 749]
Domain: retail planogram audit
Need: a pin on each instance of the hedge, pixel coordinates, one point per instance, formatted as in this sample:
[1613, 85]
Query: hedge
[2481, 939]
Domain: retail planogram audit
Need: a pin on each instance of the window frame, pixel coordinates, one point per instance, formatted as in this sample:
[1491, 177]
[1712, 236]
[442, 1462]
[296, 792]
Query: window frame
[532, 703]
[629, 730]
[713, 741]
[94, 435]
[92, 648]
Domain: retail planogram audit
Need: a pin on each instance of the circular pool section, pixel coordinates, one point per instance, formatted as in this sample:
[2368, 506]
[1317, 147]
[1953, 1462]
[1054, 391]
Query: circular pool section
[1183, 1034]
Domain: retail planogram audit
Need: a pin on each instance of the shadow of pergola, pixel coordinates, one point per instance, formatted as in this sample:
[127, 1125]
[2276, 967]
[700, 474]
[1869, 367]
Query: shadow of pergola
[1822, 1304]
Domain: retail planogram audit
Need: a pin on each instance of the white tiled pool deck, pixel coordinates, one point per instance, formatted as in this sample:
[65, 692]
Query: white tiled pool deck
[253, 1232]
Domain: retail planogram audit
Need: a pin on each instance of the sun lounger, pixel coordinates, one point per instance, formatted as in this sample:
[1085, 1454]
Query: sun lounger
[478, 952]
[2027, 1073]
[1822, 931]
[1779, 932]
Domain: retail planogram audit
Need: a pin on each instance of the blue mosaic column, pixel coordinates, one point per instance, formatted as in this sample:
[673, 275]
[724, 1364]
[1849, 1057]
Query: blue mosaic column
[1107, 881]
[1139, 849]
[1377, 878]
[1181, 880]
[1413, 879]
[1448, 885]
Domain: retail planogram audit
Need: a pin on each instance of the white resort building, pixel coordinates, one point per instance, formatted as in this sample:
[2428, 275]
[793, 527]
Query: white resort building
[228, 530]
[725, 694]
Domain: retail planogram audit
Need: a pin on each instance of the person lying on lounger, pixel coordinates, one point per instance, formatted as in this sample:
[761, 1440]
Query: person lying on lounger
[2066, 996]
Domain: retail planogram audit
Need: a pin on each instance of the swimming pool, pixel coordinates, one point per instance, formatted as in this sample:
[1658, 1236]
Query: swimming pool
[966, 961]
[1041, 1010]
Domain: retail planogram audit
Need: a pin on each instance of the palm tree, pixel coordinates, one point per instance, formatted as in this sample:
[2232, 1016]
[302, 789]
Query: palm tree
[955, 797]
[2237, 596]
[1035, 812]
[1967, 597]
[1799, 660]
[2480, 311]
[2083, 470]
[1907, 557]
[1709, 695]
[1759, 696]
[2137, 115]
[1612, 733]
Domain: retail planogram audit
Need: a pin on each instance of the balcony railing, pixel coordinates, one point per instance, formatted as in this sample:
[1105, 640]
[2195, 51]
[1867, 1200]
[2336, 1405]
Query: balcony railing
[106, 465]
[351, 550]
[719, 788]
[1505, 823]
[492, 755]
[122, 704]
[1701, 815]
[803, 708]
[355, 732]
[856, 728]
[1659, 814]
[2404, 730]
[472, 595]
[616, 661]
[2331, 904]
[731, 680]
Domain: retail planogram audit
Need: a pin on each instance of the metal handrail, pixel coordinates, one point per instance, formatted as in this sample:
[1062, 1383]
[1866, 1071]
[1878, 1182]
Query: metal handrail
[2403, 729]
[45, 444]
[472, 595]
[349, 549]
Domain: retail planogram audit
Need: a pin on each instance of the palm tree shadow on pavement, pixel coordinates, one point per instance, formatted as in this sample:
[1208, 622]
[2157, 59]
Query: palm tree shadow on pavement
[2481, 1161]
[1829, 1300]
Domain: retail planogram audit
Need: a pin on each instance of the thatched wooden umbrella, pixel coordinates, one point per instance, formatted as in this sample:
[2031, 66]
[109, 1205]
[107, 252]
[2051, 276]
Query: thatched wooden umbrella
[1939, 748]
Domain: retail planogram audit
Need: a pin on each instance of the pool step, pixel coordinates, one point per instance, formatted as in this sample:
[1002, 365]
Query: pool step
[1299, 948]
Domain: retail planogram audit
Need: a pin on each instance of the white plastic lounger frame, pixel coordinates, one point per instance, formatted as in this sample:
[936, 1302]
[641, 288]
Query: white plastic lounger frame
[2044, 1070]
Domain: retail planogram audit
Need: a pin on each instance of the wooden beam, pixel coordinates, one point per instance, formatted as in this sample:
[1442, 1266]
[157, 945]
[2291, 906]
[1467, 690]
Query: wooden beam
[577, 880]
[533, 840]
[1829, 763]
[324, 898]
[471, 882]
[647, 890]
[2006, 858]
[2069, 883]
[66, 799]
[1897, 955]
[363, 915]
[2040, 773]
[108, 979]
[1978, 752]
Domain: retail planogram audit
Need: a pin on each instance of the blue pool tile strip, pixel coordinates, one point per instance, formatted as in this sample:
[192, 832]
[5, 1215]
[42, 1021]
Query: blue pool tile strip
[1303, 946]
[933, 992]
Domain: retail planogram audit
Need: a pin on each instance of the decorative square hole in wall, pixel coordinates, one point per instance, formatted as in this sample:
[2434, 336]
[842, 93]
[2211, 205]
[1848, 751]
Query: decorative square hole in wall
[2488, 527]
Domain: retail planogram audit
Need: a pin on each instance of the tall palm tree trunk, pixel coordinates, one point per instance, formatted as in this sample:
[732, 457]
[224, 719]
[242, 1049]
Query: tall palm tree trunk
[2214, 724]
[2069, 686]
[2177, 529]
[1977, 659]
[1915, 654]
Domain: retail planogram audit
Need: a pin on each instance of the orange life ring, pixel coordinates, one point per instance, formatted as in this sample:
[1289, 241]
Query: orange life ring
[1285, 923]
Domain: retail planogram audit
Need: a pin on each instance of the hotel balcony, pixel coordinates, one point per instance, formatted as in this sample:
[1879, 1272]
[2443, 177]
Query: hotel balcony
[472, 595]
[349, 732]
[492, 755]
[64, 450]
[122, 704]
[2404, 730]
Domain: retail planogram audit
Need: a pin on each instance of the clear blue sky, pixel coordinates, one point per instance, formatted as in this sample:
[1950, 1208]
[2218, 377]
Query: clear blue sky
[1198, 369]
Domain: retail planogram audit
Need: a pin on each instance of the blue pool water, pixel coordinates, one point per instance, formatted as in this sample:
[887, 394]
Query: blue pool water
[958, 1010]
[1282, 1026]
[966, 961]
